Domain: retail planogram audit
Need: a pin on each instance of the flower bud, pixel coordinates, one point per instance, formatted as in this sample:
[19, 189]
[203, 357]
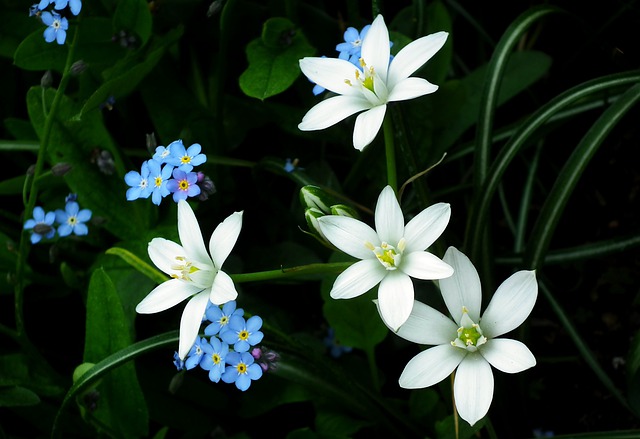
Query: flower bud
[78, 67]
[311, 215]
[315, 197]
[344, 210]
[59, 169]
[46, 80]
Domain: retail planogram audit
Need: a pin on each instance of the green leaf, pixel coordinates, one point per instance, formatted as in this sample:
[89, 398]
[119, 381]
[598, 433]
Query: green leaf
[133, 16]
[633, 373]
[121, 405]
[17, 396]
[76, 143]
[34, 53]
[273, 59]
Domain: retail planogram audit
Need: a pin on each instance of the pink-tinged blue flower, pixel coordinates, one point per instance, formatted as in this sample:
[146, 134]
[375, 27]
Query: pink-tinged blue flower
[241, 370]
[72, 219]
[219, 317]
[183, 185]
[351, 48]
[215, 353]
[185, 159]
[139, 182]
[195, 355]
[74, 5]
[41, 225]
[242, 334]
[56, 27]
[158, 179]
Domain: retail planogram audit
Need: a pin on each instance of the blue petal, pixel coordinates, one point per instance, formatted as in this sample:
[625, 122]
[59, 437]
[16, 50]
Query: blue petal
[61, 35]
[243, 382]
[75, 6]
[49, 34]
[64, 230]
[81, 229]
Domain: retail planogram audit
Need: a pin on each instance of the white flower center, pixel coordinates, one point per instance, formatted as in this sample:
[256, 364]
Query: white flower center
[388, 255]
[144, 183]
[470, 335]
[55, 24]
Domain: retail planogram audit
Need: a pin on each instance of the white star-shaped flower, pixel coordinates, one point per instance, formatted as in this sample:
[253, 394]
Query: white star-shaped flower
[468, 342]
[194, 273]
[370, 87]
[390, 255]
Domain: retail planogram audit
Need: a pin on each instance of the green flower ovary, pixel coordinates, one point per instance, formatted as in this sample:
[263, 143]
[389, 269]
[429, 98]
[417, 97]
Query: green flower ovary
[388, 255]
[470, 335]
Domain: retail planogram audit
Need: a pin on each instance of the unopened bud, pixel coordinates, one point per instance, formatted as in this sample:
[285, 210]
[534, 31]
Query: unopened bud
[311, 215]
[214, 8]
[46, 80]
[344, 210]
[315, 197]
[206, 186]
[150, 140]
[78, 67]
[59, 169]
[266, 358]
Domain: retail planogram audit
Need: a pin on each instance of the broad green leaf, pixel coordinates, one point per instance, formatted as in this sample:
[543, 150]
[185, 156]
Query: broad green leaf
[15, 27]
[22, 371]
[273, 59]
[16, 396]
[133, 16]
[34, 53]
[76, 143]
[121, 405]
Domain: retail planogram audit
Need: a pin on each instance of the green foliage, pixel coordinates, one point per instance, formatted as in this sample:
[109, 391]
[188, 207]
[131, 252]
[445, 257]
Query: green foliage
[531, 137]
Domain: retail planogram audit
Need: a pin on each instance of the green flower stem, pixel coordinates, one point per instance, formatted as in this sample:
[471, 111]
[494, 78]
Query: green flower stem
[334, 267]
[33, 192]
[392, 178]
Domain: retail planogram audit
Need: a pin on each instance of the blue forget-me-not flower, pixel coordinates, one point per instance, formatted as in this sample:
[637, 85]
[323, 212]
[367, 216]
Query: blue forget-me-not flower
[72, 219]
[139, 182]
[185, 158]
[242, 334]
[241, 370]
[214, 359]
[41, 225]
[56, 27]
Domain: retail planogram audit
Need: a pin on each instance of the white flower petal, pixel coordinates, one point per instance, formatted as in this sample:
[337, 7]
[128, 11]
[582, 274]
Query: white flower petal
[330, 73]
[431, 366]
[191, 321]
[375, 47]
[349, 235]
[358, 279]
[425, 266]
[427, 325]
[463, 288]
[223, 289]
[511, 304]
[163, 253]
[473, 388]
[388, 217]
[427, 226]
[331, 111]
[367, 126]
[506, 355]
[413, 56]
[411, 88]
[166, 295]
[395, 299]
[224, 237]
[190, 235]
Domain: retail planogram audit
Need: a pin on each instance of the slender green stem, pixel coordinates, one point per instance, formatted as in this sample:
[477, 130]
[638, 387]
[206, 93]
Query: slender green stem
[33, 192]
[392, 177]
[334, 267]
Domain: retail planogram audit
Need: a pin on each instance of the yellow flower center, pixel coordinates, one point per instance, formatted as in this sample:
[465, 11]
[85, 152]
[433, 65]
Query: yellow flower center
[216, 359]
[185, 159]
[470, 336]
[184, 268]
[243, 335]
[183, 185]
[241, 368]
[388, 255]
[158, 181]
